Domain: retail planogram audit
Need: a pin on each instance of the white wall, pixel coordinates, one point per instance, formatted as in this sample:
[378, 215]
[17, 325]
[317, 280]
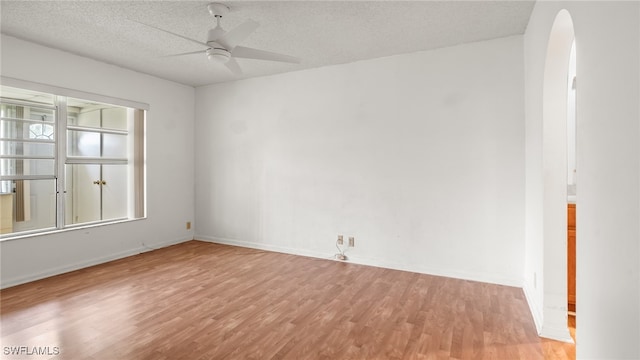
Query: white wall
[534, 53]
[608, 232]
[419, 156]
[170, 165]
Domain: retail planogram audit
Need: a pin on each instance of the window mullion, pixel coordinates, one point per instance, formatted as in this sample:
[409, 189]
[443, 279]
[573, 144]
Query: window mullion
[138, 163]
[61, 151]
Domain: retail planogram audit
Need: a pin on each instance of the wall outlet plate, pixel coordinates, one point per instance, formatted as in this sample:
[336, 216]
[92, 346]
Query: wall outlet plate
[352, 241]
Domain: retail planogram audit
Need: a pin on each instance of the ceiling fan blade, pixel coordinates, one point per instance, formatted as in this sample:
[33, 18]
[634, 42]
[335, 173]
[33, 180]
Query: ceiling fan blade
[233, 65]
[236, 35]
[172, 33]
[249, 53]
[186, 53]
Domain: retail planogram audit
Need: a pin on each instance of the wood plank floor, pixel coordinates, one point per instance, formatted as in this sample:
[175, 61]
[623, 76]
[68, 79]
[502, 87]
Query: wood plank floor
[198, 300]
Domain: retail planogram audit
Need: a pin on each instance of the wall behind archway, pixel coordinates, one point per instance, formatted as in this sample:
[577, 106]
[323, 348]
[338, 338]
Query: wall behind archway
[608, 250]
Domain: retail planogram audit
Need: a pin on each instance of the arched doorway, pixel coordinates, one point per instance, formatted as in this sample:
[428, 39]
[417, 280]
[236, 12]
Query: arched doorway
[555, 177]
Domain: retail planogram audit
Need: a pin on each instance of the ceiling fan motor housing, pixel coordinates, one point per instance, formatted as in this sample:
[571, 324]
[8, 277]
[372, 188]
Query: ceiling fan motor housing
[218, 54]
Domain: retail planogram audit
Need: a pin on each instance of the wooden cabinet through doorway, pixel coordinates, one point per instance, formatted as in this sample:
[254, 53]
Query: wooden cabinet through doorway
[571, 257]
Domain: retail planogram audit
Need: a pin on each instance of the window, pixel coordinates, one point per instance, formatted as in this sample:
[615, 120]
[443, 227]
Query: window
[68, 161]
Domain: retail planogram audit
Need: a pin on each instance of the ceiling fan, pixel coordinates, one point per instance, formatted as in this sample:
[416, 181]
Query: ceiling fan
[222, 46]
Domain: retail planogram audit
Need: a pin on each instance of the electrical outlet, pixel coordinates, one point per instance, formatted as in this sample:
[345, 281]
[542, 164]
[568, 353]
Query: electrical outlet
[340, 240]
[188, 225]
[352, 241]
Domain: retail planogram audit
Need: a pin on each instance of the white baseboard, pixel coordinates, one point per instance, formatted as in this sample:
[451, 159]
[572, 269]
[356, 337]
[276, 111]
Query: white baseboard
[545, 330]
[463, 275]
[554, 325]
[534, 307]
[6, 283]
[559, 334]
[486, 278]
[259, 246]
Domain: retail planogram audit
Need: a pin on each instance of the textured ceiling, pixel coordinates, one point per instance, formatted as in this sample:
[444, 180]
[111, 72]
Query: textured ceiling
[319, 32]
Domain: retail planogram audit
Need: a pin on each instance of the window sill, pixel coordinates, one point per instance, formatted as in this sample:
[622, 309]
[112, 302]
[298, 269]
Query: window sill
[45, 232]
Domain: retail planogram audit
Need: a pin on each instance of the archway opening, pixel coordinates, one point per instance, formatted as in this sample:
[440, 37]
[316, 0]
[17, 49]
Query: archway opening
[555, 157]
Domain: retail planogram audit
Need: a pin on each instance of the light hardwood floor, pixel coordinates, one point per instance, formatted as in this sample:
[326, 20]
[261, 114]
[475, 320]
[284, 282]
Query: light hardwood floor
[198, 300]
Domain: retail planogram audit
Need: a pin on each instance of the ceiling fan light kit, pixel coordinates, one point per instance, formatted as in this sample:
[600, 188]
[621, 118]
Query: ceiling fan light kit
[222, 46]
[218, 55]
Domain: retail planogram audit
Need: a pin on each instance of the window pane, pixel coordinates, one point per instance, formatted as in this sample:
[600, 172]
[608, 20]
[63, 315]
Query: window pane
[92, 144]
[13, 130]
[115, 204]
[88, 117]
[16, 167]
[92, 114]
[26, 148]
[114, 146]
[72, 115]
[82, 193]
[6, 187]
[114, 118]
[83, 143]
[26, 95]
[18, 130]
[96, 192]
[24, 112]
[41, 131]
[30, 205]
[28, 138]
